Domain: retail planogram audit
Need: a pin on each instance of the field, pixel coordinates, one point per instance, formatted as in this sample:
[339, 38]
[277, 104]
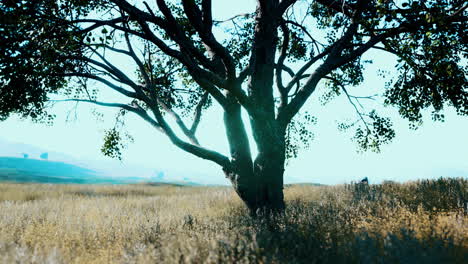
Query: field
[415, 222]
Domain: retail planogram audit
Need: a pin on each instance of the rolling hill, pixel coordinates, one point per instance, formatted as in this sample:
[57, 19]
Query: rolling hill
[32, 170]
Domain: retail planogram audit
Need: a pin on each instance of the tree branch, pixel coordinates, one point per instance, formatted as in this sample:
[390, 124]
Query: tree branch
[350, 100]
[304, 29]
[334, 54]
[187, 132]
[279, 66]
[284, 5]
[173, 29]
[170, 27]
[338, 6]
[198, 112]
[134, 109]
[232, 18]
[299, 74]
[191, 148]
[207, 13]
[104, 81]
[195, 16]
[116, 71]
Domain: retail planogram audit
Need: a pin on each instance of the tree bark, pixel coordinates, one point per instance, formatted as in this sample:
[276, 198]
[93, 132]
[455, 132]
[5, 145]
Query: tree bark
[261, 188]
[259, 183]
[270, 170]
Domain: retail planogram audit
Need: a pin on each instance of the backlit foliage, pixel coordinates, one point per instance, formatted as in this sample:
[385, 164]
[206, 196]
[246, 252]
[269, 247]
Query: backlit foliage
[178, 52]
[299, 135]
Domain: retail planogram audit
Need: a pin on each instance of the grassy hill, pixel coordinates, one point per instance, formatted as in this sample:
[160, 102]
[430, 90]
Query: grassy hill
[416, 222]
[43, 171]
[32, 170]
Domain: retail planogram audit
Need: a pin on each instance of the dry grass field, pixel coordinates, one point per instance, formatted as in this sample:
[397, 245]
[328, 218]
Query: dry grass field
[418, 222]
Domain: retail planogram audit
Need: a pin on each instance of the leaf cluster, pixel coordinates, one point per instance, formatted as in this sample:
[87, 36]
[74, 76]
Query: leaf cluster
[36, 53]
[299, 135]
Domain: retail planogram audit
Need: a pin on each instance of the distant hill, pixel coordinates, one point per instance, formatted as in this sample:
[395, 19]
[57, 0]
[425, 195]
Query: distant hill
[32, 170]
[42, 171]
[14, 149]
[121, 172]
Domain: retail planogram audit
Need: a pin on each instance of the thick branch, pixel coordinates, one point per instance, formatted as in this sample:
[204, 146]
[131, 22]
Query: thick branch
[284, 5]
[279, 66]
[262, 61]
[299, 74]
[198, 112]
[336, 60]
[333, 61]
[174, 30]
[164, 127]
[201, 20]
[104, 81]
[207, 13]
[170, 26]
[137, 110]
[97, 23]
[195, 16]
[205, 79]
[193, 149]
[187, 132]
[115, 71]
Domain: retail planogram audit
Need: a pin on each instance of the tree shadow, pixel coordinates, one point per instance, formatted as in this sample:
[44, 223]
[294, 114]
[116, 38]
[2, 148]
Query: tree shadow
[310, 234]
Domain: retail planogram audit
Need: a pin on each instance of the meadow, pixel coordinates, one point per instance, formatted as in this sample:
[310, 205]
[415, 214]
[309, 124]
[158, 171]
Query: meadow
[414, 222]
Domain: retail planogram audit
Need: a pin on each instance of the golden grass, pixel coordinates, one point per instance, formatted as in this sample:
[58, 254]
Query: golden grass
[168, 224]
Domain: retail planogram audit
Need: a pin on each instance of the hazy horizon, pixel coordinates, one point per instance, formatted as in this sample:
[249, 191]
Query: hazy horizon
[435, 150]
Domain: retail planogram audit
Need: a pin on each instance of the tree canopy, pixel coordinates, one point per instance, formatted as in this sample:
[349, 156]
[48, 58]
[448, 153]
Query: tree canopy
[179, 61]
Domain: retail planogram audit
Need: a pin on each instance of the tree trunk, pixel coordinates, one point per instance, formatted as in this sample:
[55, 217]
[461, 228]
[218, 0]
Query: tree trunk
[262, 191]
[261, 188]
[269, 171]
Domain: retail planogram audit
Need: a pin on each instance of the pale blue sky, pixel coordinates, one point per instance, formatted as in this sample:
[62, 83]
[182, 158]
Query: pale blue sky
[436, 149]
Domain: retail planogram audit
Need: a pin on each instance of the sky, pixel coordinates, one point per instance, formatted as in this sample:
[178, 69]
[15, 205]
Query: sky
[434, 150]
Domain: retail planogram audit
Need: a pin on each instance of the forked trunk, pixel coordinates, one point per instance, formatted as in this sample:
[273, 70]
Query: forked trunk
[270, 196]
[262, 189]
[258, 183]
[261, 192]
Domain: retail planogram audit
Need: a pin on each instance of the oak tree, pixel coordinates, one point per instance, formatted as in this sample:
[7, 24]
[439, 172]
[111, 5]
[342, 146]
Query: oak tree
[177, 60]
